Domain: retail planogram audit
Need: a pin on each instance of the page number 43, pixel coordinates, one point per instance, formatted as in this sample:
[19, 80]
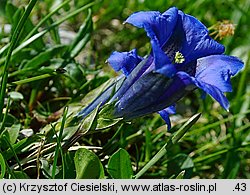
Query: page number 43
[240, 187]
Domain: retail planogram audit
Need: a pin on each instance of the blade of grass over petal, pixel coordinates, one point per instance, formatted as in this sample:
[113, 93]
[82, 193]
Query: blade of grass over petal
[180, 133]
[13, 43]
[173, 140]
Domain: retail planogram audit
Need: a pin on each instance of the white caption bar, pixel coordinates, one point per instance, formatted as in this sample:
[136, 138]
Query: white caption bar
[123, 187]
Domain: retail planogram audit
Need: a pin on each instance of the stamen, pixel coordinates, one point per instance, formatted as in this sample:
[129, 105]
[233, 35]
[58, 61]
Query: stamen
[179, 58]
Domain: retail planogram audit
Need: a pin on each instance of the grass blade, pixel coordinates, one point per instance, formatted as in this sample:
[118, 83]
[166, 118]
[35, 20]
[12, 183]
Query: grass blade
[3, 166]
[42, 33]
[175, 138]
[59, 147]
[28, 80]
[13, 43]
[13, 152]
[45, 19]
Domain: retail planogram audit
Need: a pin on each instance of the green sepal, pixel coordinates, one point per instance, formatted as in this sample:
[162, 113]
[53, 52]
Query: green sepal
[105, 117]
[90, 121]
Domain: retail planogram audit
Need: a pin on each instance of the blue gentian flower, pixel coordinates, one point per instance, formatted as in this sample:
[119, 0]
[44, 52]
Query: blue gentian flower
[183, 57]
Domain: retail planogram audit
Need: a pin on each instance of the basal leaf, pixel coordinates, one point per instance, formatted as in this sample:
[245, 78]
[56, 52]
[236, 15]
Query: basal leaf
[88, 165]
[119, 165]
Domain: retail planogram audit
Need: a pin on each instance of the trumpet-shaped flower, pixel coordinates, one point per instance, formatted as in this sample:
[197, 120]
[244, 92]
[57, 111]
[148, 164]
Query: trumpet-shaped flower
[183, 57]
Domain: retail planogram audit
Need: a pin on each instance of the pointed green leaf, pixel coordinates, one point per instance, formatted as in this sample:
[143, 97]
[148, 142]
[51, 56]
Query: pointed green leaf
[14, 132]
[78, 48]
[82, 37]
[181, 132]
[89, 123]
[45, 56]
[119, 165]
[84, 29]
[180, 175]
[173, 140]
[179, 163]
[88, 165]
[104, 123]
[14, 14]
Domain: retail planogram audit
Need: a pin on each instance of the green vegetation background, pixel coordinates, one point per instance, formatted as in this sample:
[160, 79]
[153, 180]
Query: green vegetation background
[60, 57]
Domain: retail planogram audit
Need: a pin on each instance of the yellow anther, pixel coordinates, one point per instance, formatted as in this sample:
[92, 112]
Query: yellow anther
[179, 58]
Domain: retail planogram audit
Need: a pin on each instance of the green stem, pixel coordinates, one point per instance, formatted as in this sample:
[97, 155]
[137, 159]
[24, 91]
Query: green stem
[13, 43]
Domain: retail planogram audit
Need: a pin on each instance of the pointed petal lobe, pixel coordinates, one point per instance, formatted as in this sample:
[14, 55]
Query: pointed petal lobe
[165, 114]
[216, 93]
[190, 37]
[216, 70]
[124, 61]
[155, 24]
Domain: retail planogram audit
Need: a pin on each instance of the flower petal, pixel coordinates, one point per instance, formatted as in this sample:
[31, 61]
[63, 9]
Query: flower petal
[213, 91]
[155, 24]
[197, 39]
[216, 93]
[216, 70]
[165, 114]
[163, 64]
[190, 37]
[125, 61]
[152, 93]
[144, 92]
[137, 72]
